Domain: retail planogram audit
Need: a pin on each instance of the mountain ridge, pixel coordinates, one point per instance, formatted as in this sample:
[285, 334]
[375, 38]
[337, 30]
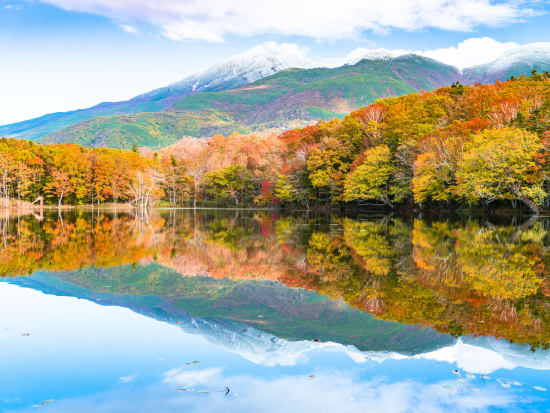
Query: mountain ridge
[219, 100]
[288, 98]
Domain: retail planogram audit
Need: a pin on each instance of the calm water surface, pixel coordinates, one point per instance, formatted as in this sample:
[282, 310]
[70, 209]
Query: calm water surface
[256, 312]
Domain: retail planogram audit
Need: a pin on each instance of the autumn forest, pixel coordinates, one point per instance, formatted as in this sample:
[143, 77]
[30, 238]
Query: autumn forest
[459, 145]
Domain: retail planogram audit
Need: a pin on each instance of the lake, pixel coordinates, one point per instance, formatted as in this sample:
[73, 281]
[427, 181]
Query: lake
[253, 311]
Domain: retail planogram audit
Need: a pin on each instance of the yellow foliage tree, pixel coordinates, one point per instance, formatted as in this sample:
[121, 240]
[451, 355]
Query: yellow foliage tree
[371, 179]
[502, 164]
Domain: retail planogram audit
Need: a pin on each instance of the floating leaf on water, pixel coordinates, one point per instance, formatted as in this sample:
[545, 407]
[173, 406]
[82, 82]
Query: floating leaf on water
[204, 392]
[504, 384]
[183, 389]
[43, 403]
[191, 363]
[447, 387]
[312, 377]
[539, 388]
[126, 379]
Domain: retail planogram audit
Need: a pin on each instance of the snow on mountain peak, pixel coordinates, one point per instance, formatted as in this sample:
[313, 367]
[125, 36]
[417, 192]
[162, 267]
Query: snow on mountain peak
[271, 57]
[372, 54]
[529, 53]
[254, 64]
[471, 354]
[283, 55]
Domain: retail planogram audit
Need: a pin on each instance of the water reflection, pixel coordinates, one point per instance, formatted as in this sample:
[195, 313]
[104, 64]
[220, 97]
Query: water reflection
[324, 310]
[109, 359]
[459, 277]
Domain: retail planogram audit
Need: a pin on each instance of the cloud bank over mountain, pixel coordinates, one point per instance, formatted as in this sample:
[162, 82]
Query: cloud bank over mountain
[212, 20]
[470, 52]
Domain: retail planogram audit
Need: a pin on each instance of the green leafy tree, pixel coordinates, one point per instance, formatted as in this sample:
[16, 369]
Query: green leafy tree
[234, 182]
[371, 179]
[502, 164]
[328, 163]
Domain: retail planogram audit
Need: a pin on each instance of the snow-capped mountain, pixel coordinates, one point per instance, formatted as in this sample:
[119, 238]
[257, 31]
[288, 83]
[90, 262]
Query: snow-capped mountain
[371, 54]
[515, 62]
[89, 126]
[254, 64]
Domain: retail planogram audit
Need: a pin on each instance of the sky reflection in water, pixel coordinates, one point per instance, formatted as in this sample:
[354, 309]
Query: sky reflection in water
[116, 338]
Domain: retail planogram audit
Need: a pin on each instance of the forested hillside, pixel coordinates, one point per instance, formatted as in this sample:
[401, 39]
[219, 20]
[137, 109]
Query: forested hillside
[457, 145]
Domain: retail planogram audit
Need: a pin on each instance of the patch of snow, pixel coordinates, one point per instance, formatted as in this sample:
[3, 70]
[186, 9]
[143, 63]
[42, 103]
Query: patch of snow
[480, 355]
[529, 54]
[372, 54]
[254, 64]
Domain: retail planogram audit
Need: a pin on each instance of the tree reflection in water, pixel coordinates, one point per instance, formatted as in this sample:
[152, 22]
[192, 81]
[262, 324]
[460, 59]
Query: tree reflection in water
[455, 276]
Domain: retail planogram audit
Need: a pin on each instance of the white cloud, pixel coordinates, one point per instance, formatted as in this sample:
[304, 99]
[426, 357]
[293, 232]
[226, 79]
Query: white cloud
[185, 376]
[130, 29]
[213, 20]
[470, 358]
[471, 52]
[329, 391]
[12, 7]
[468, 53]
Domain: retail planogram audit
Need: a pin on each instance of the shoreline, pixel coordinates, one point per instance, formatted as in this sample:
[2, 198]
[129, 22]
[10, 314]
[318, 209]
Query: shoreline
[433, 211]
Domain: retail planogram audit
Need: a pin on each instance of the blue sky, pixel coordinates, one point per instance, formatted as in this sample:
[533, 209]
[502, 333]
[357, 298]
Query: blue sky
[66, 54]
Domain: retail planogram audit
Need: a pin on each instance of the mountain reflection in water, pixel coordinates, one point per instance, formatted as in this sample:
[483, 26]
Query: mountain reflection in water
[460, 277]
[272, 288]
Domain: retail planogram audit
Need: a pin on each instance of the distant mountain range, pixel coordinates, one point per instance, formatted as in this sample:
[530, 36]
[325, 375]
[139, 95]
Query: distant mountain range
[263, 89]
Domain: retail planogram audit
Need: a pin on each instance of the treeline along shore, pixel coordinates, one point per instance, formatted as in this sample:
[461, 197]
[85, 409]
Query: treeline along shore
[455, 146]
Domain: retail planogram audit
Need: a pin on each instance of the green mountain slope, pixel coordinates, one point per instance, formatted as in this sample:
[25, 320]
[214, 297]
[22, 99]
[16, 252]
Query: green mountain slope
[145, 129]
[290, 97]
[35, 128]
